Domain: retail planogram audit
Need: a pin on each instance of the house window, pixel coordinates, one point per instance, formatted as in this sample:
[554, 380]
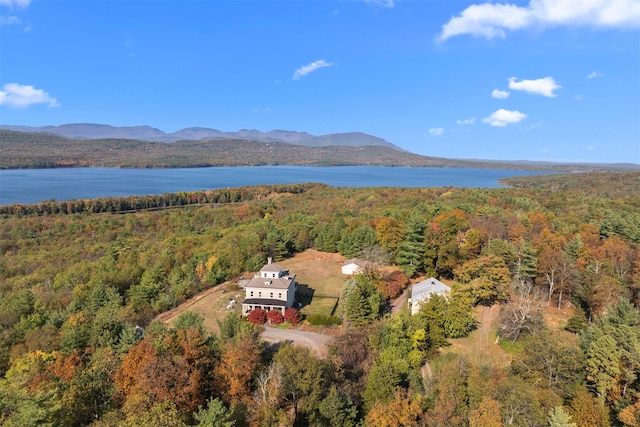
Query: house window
[259, 294]
[271, 296]
[251, 293]
[280, 295]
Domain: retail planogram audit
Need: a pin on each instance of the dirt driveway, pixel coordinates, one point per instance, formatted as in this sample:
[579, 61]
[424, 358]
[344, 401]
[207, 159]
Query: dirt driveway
[312, 340]
[481, 346]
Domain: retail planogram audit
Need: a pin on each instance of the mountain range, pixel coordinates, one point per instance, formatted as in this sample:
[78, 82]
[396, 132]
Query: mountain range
[148, 133]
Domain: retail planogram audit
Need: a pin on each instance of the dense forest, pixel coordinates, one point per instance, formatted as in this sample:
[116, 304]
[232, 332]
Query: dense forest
[81, 284]
[41, 150]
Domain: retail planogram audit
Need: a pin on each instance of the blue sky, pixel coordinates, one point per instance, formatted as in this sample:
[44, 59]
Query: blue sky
[555, 80]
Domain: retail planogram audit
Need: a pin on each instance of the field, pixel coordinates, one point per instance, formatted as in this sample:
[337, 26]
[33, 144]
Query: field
[319, 280]
[319, 284]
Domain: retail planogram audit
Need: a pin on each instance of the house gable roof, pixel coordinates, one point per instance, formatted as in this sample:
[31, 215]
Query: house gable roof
[272, 268]
[356, 261]
[428, 287]
[271, 283]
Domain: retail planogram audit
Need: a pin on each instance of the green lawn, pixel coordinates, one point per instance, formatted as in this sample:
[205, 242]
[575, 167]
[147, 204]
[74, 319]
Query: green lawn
[319, 280]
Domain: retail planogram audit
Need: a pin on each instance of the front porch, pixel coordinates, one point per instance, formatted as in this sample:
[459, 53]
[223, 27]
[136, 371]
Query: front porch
[263, 303]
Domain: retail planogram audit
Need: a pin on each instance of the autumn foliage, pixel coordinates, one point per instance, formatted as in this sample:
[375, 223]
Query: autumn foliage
[78, 345]
[292, 316]
[275, 317]
[392, 284]
[175, 368]
[257, 316]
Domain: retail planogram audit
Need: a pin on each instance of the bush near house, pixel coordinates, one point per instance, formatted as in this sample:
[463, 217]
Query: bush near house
[275, 317]
[257, 316]
[292, 316]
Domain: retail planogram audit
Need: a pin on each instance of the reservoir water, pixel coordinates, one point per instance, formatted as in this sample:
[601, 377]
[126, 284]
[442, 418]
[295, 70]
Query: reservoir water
[37, 185]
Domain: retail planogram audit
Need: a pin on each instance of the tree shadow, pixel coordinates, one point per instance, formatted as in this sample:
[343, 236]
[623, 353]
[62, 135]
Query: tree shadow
[304, 295]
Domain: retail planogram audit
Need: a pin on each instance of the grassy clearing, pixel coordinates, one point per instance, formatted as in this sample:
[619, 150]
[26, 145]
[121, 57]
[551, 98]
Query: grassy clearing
[482, 346]
[319, 280]
[211, 304]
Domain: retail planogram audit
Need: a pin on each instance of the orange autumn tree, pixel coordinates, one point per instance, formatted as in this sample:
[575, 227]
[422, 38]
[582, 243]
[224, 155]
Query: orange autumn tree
[239, 360]
[405, 410]
[175, 366]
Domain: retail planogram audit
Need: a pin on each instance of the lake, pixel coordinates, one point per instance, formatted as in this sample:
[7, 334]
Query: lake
[37, 185]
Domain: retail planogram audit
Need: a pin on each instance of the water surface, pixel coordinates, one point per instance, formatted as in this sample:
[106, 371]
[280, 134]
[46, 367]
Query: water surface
[37, 185]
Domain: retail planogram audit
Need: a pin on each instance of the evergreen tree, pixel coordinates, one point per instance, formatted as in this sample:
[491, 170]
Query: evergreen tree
[214, 415]
[357, 308]
[338, 410]
[411, 250]
[526, 262]
[559, 418]
[578, 321]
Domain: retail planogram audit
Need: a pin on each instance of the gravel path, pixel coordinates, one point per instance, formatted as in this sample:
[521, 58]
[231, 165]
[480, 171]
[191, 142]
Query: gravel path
[401, 301]
[312, 340]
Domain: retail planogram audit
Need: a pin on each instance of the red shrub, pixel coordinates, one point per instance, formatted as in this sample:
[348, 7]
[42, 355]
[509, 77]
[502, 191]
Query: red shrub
[393, 284]
[275, 317]
[257, 316]
[292, 316]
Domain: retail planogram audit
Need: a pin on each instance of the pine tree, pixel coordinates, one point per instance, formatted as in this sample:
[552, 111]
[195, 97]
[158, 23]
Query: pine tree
[559, 418]
[526, 262]
[357, 308]
[411, 250]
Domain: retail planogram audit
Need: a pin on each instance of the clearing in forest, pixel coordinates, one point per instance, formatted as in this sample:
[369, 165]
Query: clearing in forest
[482, 346]
[319, 280]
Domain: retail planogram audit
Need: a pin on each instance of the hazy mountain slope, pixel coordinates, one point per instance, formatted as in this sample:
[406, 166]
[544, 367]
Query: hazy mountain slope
[37, 150]
[146, 133]
[94, 131]
[40, 150]
[354, 139]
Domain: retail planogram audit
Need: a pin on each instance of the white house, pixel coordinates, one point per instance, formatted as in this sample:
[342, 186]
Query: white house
[422, 291]
[353, 266]
[272, 289]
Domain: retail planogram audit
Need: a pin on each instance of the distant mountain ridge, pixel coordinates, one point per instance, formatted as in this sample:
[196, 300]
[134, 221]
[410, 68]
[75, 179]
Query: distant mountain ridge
[148, 133]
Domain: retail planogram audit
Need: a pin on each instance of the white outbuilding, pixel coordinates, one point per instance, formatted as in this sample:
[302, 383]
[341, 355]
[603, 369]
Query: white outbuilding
[422, 292]
[353, 266]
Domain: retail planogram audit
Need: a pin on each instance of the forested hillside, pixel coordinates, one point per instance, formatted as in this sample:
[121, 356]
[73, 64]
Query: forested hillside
[39, 150]
[79, 290]
[33, 150]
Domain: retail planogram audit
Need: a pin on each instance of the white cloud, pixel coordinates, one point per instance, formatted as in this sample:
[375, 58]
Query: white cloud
[503, 118]
[465, 122]
[15, 3]
[491, 20]
[594, 74]
[544, 87]
[534, 126]
[306, 69]
[15, 95]
[500, 94]
[436, 131]
[384, 3]
[10, 20]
